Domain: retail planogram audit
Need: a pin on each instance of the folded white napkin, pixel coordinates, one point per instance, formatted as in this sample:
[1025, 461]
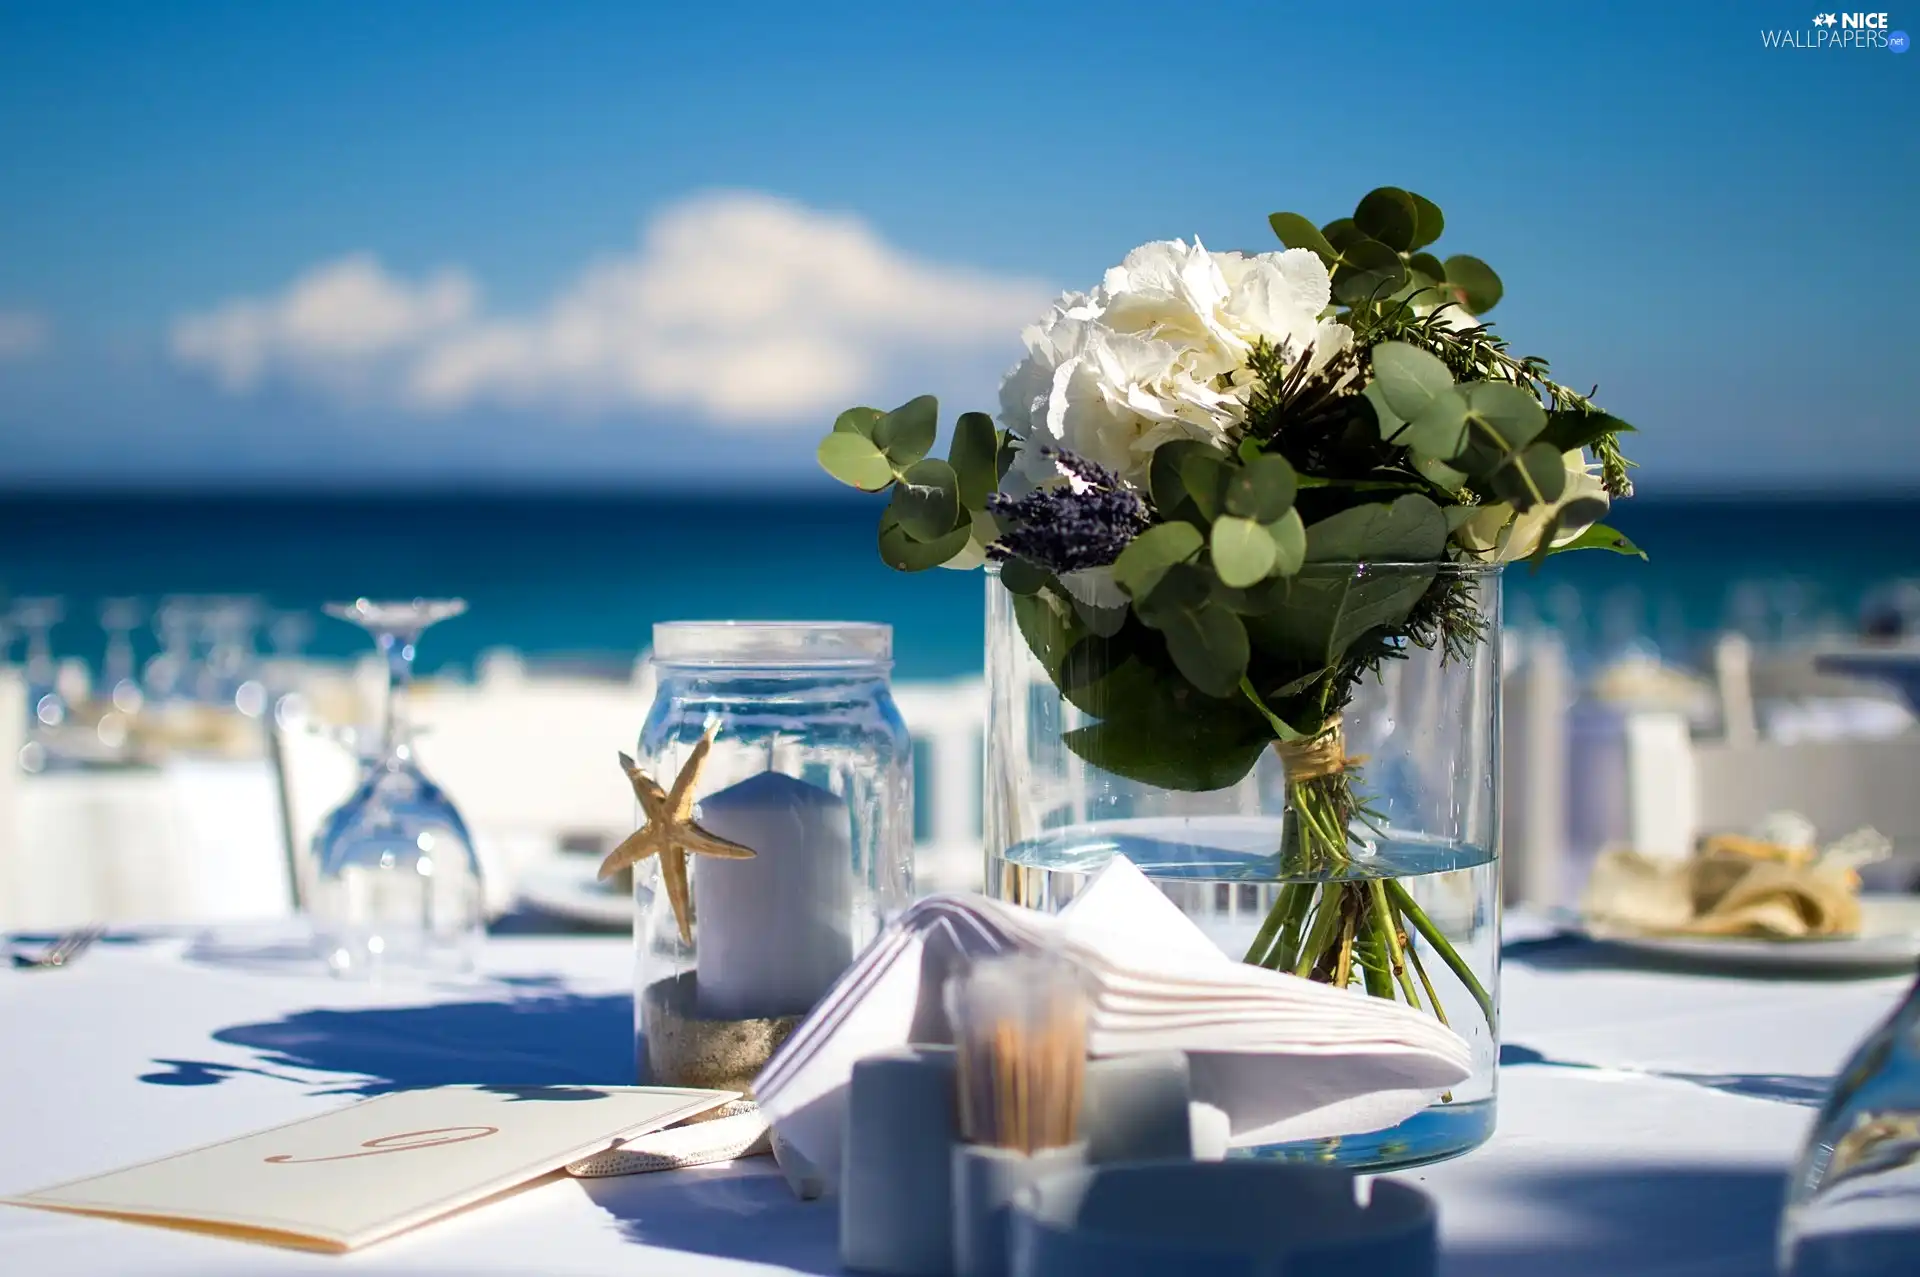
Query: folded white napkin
[1284, 1058]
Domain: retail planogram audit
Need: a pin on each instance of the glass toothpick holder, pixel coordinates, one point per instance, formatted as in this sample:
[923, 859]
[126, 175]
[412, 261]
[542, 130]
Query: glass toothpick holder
[775, 783]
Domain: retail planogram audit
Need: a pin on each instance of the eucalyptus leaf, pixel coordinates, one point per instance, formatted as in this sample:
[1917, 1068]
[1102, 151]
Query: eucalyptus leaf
[1506, 412]
[1440, 474]
[858, 421]
[1204, 475]
[1368, 269]
[1341, 232]
[1390, 422]
[1262, 490]
[906, 554]
[853, 460]
[1428, 223]
[1410, 379]
[1208, 644]
[1410, 529]
[1148, 556]
[971, 456]
[906, 434]
[1164, 484]
[1534, 475]
[1289, 536]
[1389, 215]
[1104, 676]
[1440, 431]
[1021, 577]
[1242, 551]
[1296, 231]
[1429, 265]
[1003, 457]
[1474, 283]
[1049, 627]
[1601, 537]
[926, 501]
[1105, 622]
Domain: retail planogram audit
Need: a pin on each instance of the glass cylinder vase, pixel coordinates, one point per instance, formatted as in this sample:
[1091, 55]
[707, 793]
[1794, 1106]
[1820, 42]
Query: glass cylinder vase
[784, 774]
[1362, 852]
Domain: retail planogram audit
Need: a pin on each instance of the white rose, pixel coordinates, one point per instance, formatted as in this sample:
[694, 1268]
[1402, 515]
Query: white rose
[1482, 534]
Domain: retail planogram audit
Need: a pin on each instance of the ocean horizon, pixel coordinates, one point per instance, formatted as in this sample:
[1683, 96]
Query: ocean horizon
[583, 575]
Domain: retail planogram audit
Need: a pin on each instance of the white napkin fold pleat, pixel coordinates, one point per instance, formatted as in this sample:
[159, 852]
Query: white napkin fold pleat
[1285, 1058]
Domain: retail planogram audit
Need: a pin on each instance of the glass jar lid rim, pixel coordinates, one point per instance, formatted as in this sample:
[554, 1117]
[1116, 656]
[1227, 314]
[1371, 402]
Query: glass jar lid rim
[811, 644]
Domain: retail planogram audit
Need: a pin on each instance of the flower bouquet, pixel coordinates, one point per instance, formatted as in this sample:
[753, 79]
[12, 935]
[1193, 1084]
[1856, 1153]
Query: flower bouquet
[1225, 491]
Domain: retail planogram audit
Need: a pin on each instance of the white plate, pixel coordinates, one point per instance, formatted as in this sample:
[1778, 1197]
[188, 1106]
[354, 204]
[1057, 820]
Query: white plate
[1889, 940]
[565, 887]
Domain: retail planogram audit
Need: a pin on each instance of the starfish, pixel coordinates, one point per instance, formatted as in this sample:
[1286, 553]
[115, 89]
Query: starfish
[670, 832]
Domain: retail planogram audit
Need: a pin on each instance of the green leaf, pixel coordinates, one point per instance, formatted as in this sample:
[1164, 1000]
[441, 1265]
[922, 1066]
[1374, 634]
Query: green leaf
[1242, 551]
[1207, 641]
[1410, 529]
[853, 460]
[1440, 431]
[1440, 474]
[1105, 677]
[1003, 457]
[1164, 484]
[926, 501]
[1390, 423]
[1600, 537]
[1296, 231]
[1262, 490]
[1568, 429]
[1192, 751]
[859, 421]
[1536, 474]
[1341, 232]
[1410, 378]
[906, 554]
[906, 433]
[1505, 411]
[1204, 475]
[1321, 612]
[1474, 283]
[1021, 577]
[1049, 627]
[1428, 223]
[1429, 265]
[1389, 215]
[1148, 556]
[1289, 537]
[1368, 269]
[971, 456]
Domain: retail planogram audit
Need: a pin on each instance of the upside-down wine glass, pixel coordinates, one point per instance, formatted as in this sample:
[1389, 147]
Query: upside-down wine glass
[396, 883]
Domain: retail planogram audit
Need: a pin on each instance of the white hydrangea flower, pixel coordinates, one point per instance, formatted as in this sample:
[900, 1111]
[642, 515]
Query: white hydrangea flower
[1159, 351]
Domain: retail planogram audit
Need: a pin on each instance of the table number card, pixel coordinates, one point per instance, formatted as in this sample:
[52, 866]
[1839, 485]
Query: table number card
[361, 1173]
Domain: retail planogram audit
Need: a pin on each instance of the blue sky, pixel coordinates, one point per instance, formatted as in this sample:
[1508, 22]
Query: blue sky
[617, 243]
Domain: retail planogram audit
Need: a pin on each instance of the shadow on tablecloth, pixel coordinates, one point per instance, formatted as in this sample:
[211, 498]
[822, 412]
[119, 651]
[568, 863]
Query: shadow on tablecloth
[743, 1212]
[1804, 1089]
[540, 1038]
[1643, 1220]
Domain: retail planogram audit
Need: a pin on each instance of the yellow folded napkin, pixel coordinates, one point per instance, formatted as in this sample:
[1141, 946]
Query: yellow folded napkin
[1735, 886]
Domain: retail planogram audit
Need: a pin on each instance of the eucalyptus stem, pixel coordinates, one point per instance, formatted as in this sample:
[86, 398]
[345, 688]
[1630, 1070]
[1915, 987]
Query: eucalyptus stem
[1420, 969]
[1448, 954]
[1321, 933]
[1271, 929]
[1384, 918]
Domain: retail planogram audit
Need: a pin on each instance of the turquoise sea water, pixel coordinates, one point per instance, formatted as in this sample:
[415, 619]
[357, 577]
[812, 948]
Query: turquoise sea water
[564, 576]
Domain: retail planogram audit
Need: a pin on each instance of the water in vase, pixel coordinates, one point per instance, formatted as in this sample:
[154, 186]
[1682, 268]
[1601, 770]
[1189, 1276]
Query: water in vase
[1224, 873]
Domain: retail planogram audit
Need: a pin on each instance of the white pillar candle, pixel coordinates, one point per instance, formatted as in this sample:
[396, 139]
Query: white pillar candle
[775, 931]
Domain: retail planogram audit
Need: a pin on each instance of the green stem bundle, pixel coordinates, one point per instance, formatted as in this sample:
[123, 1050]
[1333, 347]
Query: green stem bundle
[1328, 925]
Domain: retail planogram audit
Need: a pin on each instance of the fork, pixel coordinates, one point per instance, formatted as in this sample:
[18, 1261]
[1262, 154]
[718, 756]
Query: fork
[64, 950]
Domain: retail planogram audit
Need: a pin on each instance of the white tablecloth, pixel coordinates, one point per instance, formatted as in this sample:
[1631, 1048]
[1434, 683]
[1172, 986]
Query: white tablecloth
[1646, 1119]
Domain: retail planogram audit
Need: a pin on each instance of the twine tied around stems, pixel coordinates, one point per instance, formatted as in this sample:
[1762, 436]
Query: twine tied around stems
[1312, 757]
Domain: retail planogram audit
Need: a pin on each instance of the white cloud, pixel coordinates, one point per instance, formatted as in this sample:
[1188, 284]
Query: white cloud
[744, 308]
[23, 334]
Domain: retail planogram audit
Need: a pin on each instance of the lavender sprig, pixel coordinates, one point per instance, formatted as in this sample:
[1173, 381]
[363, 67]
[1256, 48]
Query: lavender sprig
[1083, 523]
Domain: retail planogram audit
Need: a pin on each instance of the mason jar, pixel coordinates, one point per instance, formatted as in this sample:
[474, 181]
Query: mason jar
[801, 840]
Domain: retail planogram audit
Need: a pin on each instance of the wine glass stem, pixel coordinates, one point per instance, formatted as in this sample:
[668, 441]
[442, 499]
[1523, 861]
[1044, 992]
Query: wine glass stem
[399, 653]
